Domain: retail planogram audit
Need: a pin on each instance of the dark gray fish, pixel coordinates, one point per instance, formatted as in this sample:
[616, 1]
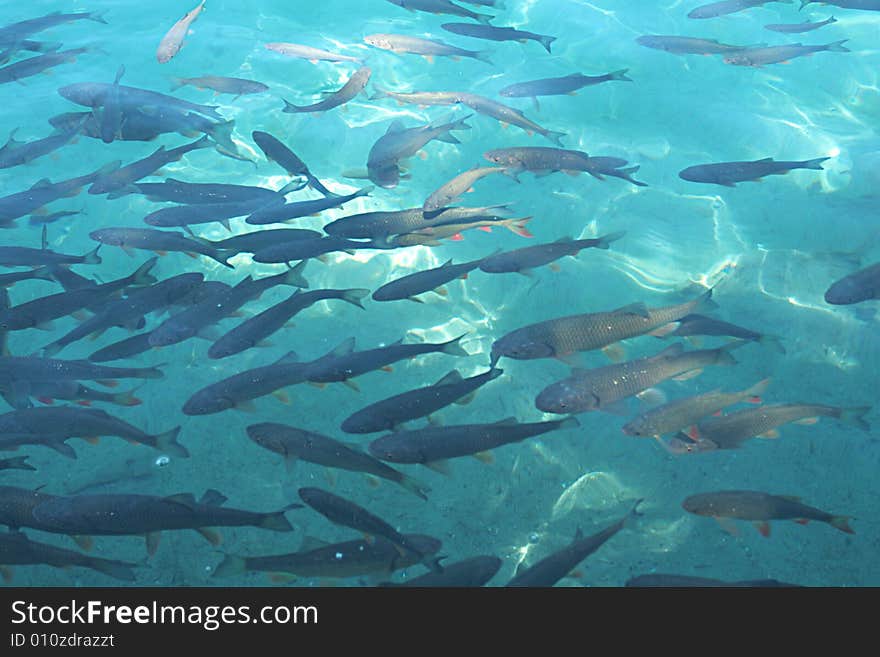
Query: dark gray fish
[427, 48]
[196, 318]
[692, 325]
[203, 213]
[441, 7]
[432, 446]
[689, 581]
[473, 572]
[15, 153]
[260, 239]
[223, 85]
[21, 256]
[52, 425]
[336, 560]
[178, 191]
[399, 143]
[94, 94]
[526, 259]
[274, 214]
[255, 330]
[20, 370]
[498, 33]
[277, 152]
[308, 248]
[16, 463]
[15, 32]
[599, 166]
[345, 363]
[392, 412]
[118, 182]
[42, 193]
[549, 570]
[159, 241]
[559, 86]
[679, 45]
[602, 387]
[42, 273]
[863, 285]
[789, 28]
[148, 515]
[133, 346]
[777, 54]
[724, 7]
[349, 90]
[40, 312]
[16, 549]
[294, 444]
[9, 48]
[41, 219]
[35, 65]
[128, 311]
[866, 5]
[344, 512]
[48, 392]
[759, 508]
[731, 173]
[543, 161]
[408, 287]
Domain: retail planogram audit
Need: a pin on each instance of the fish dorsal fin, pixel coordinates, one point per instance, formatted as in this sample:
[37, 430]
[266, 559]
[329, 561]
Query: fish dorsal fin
[311, 543]
[42, 183]
[506, 422]
[396, 126]
[579, 534]
[790, 498]
[289, 357]
[213, 498]
[765, 159]
[639, 309]
[44, 238]
[671, 351]
[186, 499]
[448, 263]
[453, 377]
[567, 238]
[344, 348]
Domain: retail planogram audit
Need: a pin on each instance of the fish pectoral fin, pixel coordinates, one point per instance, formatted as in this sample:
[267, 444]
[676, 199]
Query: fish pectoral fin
[763, 528]
[213, 537]
[485, 457]
[727, 525]
[441, 466]
[85, 543]
[152, 540]
[807, 420]
[616, 353]
[769, 435]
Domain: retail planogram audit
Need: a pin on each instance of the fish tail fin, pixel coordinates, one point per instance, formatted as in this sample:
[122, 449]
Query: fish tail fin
[758, 389]
[221, 133]
[518, 226]
[98, 16]
[142, 276]
[290, 108]
[19, 463]
[606, 240]
[620, 75]
[277, 522]
[294, 276]
[485, 19]
[454, 348]
[177, 83]
[365, 191]
[705, 302]
[772, 341]
[628, 176]
[378, 92]
[837, 46]
[92, 257]
[841, 523]
[555, 137]
[222, 256]
[546, 41]
[355, 295]
[832, 20]
[127, 398]
[484, 56]
[116, 569]
[814, 164]
[414, 486]
[230, 566]
[167, 442]
[855, 417]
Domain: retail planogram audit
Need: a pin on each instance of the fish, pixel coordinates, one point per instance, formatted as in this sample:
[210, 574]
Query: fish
[197, 317]
[775, 54]
[526, 259]
[336, 560]
[601, 388]
[272, 214]
[427, 48]
[568, 84]
[680, 45]
[51, 426]
[866, 5]
[732, 430]
[790, 28]
[120, 181]
[314, 55]
[294, 444]
[16, 463]
[112, 112]
[552, 568]
[349, 91]
[685, 412]
[600, 165]
[543, 161]
[694, 324]
[260, 239]
[760, 508]
[48, 392]
[724, 7]
[508, 116]
[493, 33]
[344, 363]
[431, 236]
[15, 32]
[392, 412]
[178, 191]
[562, 336]
[420, 98]
[42, 193]
[131, 346]
[159, 241]
[433, 446]
[15, 153]
[862, 285]
[729, 174]
[221, 85]
[35, 65]
[449, 192]
[411, 285]
[203, 213]
[129, 311]
[172, 42]
[287, 252]
[400, 143]
[255, 330]
[379, 226]
[146, 515]
[473, 572]
[346, 513]
[94, 95]
[40, 312]
[277, 152]
[21, 371]
[16, 549]
[41, 273]
[689, 581]
[441, 7]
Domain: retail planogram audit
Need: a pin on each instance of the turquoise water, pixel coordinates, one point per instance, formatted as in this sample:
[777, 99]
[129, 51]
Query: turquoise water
[770, 250]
